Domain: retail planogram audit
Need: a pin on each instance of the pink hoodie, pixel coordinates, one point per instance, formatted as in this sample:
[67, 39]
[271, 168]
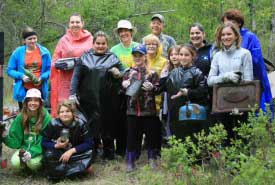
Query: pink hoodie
[68, 46]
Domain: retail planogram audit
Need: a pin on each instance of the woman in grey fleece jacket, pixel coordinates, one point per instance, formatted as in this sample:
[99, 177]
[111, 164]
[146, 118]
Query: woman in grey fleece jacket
[230, 65]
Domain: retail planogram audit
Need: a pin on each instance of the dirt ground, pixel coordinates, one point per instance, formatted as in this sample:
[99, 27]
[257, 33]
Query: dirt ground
[106, 173]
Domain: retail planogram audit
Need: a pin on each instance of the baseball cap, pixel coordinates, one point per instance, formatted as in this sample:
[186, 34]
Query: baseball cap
[33, 93]
[159, 16]
[139, 48]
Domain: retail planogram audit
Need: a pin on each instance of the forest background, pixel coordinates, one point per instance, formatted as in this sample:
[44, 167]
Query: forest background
[50, 17]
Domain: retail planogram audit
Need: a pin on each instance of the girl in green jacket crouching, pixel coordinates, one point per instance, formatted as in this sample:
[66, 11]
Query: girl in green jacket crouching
[25, 132]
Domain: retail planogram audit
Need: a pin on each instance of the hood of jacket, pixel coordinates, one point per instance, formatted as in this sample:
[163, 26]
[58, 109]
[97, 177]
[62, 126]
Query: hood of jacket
[82, 35]
[156, 58]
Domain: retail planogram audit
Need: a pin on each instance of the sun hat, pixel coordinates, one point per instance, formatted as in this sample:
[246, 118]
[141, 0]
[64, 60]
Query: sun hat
[124, 24]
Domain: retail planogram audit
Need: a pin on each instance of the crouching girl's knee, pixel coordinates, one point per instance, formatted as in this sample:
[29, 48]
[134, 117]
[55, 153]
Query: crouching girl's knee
[35, 163]
[15, 161]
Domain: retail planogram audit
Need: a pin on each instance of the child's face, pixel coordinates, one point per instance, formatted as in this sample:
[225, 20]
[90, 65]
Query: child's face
[65, 115]
[139, 59]
[100, 45]
[228, 37]
[185, 57]
[174, 57]
[33, 104]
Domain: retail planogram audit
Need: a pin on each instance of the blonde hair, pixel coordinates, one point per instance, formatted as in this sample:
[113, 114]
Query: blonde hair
[153, 38]
[68, 104]
[218, 34]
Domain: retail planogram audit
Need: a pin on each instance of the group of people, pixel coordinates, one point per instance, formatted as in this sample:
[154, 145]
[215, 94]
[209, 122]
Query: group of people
[111, 98]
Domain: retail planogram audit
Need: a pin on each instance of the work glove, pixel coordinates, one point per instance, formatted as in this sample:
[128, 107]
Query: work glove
[62, 64]
[126, 84]
[5, 127]
[26, 157]
[115, 72]
[231, 77]
[73, 98]
[147, 86]
[26, 78]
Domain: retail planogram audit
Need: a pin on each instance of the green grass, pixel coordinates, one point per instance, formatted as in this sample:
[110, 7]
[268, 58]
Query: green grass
[8, 92]
[114, 173]
[106, 173]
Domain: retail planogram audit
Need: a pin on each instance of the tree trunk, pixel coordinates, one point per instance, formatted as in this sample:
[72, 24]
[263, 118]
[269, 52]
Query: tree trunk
[252, 11]
[222, 7]
[42, 4]
[271, 45]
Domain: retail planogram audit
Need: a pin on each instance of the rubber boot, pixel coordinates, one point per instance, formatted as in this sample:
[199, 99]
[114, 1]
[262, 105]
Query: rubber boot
[130, 159]
[152, 158]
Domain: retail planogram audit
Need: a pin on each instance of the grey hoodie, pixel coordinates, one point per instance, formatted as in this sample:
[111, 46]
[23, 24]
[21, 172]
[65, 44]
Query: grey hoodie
[230, 60]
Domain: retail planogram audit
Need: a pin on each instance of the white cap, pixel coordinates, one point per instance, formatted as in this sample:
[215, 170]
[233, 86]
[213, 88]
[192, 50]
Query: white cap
[124, 24]
[33, 93]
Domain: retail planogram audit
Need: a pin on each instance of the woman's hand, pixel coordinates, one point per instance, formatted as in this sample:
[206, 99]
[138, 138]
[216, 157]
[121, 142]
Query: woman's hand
[115, 72]
[26, 156]
[67, 155]
[126, 84]
[73, 98]
[182, 92]
[59, 144]
[147, 86]
[38, 83]
[26, 78]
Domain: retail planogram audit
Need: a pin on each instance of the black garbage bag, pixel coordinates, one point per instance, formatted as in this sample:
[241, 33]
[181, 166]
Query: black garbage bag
[57, 170]
[78, 134]
[96, 86]
[190, 78]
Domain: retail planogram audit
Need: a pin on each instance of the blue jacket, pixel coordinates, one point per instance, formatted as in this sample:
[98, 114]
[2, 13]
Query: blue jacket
[251, 42]
[14, 70]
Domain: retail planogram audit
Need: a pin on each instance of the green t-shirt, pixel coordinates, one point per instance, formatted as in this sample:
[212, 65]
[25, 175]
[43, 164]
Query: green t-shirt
[124, 54]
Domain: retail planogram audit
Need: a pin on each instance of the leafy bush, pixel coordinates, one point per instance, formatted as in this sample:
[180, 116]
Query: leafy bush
[249, 159]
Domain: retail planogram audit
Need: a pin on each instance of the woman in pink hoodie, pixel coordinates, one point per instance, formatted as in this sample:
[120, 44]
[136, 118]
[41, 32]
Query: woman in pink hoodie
[72, 44]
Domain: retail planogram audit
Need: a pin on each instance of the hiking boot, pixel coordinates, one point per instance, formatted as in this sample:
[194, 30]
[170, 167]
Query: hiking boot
[130, 159]
[153, 163]
[130, 167]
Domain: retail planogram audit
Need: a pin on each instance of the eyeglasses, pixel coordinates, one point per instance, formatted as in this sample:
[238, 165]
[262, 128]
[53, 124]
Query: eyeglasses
[151, 44]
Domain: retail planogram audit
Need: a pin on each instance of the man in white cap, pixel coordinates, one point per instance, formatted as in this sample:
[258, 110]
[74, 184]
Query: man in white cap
[124, 31]
[157, 25]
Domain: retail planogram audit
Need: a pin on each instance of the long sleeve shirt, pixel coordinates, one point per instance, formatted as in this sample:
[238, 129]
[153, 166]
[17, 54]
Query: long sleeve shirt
[230, 60]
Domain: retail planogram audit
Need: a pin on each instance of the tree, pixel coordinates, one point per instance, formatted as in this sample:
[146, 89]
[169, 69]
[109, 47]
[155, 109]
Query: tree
[271, 45]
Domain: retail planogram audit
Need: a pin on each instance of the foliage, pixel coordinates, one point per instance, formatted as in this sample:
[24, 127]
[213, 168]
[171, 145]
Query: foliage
[50, 17]
[204, 159]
